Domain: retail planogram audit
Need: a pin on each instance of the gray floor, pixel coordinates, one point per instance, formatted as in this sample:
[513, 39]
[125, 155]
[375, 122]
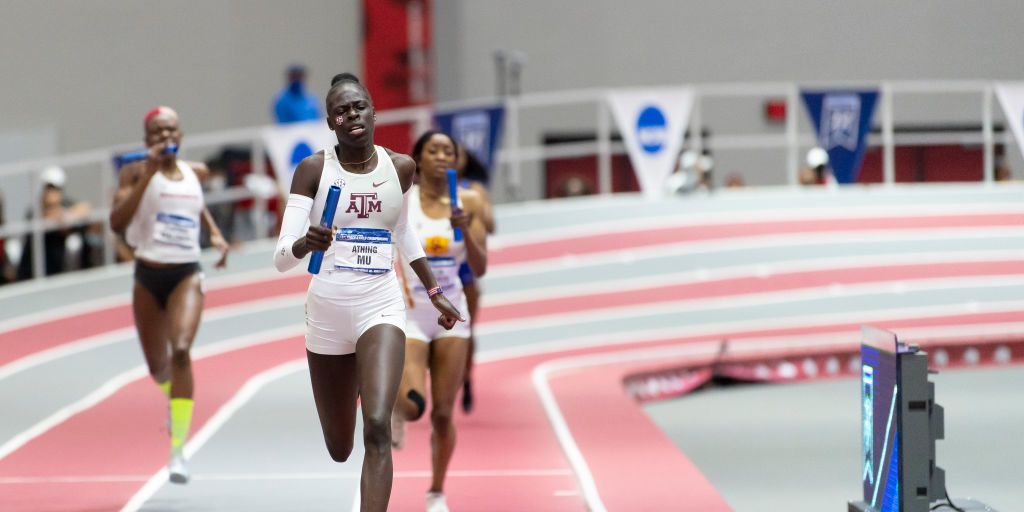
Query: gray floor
[795, 447]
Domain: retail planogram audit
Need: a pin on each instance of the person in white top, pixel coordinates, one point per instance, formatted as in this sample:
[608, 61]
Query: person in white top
[427, 347]
[159, 208]
[355, 312]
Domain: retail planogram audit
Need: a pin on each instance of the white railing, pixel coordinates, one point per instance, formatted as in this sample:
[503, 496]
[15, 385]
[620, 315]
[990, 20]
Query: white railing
[516, 153]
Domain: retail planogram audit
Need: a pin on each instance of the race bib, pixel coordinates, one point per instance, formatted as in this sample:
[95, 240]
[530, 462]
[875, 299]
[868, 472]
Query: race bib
[177, 230]
[363, 250]
[445, 270]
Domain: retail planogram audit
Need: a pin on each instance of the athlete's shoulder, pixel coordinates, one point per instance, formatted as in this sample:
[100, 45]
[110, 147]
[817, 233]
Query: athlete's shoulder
[471, 198]
[200, 168]
[405, 166]
[307, 174]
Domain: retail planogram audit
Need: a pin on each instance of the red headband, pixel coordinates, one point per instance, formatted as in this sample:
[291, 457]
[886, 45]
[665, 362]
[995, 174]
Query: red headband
[153, 113]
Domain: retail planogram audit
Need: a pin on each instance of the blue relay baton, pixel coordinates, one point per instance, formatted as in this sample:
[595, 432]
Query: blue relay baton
[453, 194]
[134, 156]
[326, 220]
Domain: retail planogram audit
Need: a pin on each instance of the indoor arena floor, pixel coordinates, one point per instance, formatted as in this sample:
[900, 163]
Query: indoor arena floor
[579, 293]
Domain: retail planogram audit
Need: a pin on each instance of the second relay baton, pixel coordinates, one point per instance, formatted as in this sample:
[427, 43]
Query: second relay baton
[453, 194]
[326, 220]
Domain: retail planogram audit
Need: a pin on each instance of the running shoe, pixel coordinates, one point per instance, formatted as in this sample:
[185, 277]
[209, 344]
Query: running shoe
[177, 470]
[436, 503]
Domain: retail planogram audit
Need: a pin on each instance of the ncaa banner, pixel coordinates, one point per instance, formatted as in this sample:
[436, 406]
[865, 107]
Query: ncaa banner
[652, 123]
[288, 144]
[842, 120]
[477, 129]
[1011, 97]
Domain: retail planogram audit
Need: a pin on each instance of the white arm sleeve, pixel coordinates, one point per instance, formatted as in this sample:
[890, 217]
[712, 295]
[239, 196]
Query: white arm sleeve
[293, 226]
[406, 239]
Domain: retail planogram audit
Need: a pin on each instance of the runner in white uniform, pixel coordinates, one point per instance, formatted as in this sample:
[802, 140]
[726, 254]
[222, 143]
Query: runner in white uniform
[355, 315]
[159, 208]
[443, 352]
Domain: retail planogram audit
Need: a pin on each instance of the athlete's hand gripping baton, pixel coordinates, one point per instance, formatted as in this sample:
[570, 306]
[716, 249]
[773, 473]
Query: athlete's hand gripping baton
[134, 156]
[453, 194]
[326, 220]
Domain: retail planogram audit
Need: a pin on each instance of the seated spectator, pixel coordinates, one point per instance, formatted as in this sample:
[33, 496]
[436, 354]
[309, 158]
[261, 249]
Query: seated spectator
[53, 206]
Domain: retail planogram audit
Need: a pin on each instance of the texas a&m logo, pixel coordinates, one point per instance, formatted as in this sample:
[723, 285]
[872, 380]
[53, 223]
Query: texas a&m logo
[363, 204]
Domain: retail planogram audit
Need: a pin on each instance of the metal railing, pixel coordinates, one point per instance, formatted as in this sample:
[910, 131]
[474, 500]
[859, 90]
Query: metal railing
[515, 153]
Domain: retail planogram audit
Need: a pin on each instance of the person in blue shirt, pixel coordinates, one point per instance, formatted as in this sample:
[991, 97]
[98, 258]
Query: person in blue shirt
[294, 103]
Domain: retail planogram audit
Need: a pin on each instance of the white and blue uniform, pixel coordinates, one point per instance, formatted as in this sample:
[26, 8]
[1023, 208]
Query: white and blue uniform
[445, 256]
[165, 226]
[356, 288]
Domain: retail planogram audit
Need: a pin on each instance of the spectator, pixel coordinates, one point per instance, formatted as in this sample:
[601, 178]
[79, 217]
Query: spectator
[817, 171]
[54, 206]
[294, 104]
[7, 273]
[574, 187]
[735, 180]
[1003, 173]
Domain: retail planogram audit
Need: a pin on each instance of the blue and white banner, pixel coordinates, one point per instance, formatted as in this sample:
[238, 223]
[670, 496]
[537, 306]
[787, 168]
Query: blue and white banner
[842, 120]
[288, 144]
[478, 129]
[652, 123]
[1011, 97]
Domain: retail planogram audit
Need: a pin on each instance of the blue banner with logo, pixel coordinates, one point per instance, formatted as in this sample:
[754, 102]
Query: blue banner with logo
[842, 120]
[477, 129]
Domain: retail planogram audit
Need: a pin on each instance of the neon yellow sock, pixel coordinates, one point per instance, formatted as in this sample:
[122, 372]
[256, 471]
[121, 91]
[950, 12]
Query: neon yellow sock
[181, 418]
[166, 387]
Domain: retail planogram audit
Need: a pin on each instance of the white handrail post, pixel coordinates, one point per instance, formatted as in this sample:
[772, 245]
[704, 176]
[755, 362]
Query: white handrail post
[515, 166]
[888, 137]
[38, 247]
[792, 136]
[259, 168]
[988, 171]
[604, 148]
[107, 188]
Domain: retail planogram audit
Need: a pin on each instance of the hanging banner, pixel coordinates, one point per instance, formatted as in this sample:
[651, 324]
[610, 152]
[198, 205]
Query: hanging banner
[652, 123]
[288, 144]
[1011, 97]
[477, 129]
[842, 120]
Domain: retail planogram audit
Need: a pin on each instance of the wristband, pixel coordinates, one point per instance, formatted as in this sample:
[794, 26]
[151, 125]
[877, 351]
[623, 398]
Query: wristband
[434, 292]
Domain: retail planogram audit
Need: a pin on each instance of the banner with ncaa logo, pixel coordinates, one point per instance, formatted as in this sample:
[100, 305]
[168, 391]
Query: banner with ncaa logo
[652, 123]
[288, 144]
[842, 120]
[1011, 97]
[477, 129]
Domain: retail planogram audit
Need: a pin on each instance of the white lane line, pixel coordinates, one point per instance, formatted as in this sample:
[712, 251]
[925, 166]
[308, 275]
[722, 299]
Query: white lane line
[543, 373]
[633, 255]
[248, 390]
[256, 477]
[107, 338]
[762, 216]
[120, 380]
[789, 266]
[698, 304]
[124, 299]
[715, 330]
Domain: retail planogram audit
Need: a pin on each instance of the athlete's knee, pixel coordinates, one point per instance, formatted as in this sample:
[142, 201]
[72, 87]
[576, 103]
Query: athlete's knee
[377, 433]
[180, 357]
[417, 400]
[339, 449]
[441, 418]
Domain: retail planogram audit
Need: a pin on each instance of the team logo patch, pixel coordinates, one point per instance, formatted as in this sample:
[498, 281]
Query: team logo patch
[436, 245]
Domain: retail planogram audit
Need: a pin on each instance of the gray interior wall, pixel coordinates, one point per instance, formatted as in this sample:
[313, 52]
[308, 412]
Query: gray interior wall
[607, 43]
[94, 68]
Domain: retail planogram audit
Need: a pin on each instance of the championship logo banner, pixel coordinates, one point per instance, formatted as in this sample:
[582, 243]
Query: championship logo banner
[1011, 97]
[476, 129]
[842, 120]
[288, 144]
[652, 123]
